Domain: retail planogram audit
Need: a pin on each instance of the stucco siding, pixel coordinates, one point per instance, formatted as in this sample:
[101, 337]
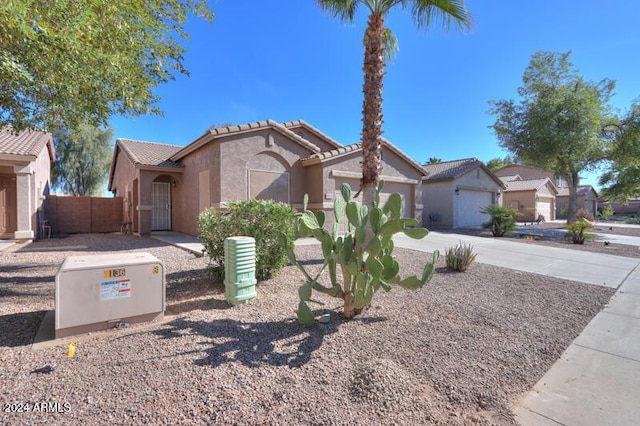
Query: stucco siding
[41, 186]
[478, 179]
[186, 205]
[437, 200]
[546, 191]
[523, 201]
[262, 150]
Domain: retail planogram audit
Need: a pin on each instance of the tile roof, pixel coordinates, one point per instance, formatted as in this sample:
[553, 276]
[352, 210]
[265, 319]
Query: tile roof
[334, 153]
[509, 178]
[527, 185]
[149, 153]
[302, 123]
[356, 147]
[212, 134]
[27, 142]
[582, 190]
[451, 169]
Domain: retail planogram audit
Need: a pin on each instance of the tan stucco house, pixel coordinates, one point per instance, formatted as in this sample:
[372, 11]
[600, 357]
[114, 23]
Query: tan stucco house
[165, 187]
[535, 199]
[587, 200]
[455, 192]
[25, 173]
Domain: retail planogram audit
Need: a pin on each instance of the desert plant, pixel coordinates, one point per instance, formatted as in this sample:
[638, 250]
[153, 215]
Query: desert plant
[460, 257]
[576, 232]
[364, 268]
[583, 214]
[503, 219]
[264, 220]
[607, 212]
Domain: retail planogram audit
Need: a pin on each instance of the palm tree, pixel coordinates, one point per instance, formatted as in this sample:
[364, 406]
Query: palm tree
[377, 40]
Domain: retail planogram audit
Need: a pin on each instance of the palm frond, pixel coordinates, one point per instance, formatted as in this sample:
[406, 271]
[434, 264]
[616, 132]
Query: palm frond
[448, 12]
[343, 9]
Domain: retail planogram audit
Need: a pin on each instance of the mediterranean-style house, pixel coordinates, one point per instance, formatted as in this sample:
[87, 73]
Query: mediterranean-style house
[25, 167]
[455, 192]
[587, 200]
[552, 204]
[534, 199]
[165, 187]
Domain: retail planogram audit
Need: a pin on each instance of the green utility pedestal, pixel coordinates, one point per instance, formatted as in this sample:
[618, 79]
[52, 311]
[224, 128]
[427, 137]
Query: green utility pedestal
[239, 269]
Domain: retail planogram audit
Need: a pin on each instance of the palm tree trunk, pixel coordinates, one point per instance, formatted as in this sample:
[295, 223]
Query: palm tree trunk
[374, 69]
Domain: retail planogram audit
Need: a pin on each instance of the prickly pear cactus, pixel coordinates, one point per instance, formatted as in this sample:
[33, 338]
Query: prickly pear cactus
[366, 266]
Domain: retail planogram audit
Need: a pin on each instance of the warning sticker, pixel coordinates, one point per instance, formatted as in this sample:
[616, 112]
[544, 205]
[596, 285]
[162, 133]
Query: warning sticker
[115, 289]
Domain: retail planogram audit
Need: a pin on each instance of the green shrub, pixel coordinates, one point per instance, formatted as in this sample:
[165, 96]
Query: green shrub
[264, 220]
[575, 232]
[503, 219]
[460, 257]
[583, 214]
[607, 212]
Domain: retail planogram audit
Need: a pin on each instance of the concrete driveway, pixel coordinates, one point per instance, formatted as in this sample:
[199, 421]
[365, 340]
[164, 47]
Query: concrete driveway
[575, 265]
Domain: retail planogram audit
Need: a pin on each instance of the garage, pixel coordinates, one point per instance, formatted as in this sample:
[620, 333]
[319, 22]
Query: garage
[544, 207]
[470, 204]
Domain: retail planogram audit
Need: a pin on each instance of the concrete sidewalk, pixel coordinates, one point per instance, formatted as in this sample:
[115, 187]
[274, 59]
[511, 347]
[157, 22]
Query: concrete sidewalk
[597, 379]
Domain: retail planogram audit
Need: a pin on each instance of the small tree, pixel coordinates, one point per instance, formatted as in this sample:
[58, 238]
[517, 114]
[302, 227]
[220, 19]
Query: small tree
[82, 161]
[576, 232]
[63, 63]
[559, 123]
[503, 219]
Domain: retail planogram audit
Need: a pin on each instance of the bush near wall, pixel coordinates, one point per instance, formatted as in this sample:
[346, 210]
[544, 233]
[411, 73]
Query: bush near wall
[264, 220]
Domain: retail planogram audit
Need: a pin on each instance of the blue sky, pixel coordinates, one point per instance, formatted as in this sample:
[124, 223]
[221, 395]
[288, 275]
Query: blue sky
[287, 60]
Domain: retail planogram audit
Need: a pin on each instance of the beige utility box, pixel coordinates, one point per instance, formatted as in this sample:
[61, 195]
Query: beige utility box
[103, 291]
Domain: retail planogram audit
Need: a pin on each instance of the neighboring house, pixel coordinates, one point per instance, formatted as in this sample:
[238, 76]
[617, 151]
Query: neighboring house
[631, 207]
[25, 173]
[587, 200]
[455, 192]
[533, 198]
[166, 187]
[526, 173]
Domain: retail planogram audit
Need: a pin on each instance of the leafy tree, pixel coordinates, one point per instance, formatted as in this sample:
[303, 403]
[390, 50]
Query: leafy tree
[379, 43]
[82, 161]
[558, 123]
[67, 62]
[498, 163]
[434, 160]
[622, 177]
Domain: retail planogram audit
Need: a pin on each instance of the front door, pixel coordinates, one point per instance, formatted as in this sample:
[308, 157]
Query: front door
[7, 204]
[161, 206]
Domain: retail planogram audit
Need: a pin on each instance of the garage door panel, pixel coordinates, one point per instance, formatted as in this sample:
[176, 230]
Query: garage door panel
[470, 206]
[543, 208]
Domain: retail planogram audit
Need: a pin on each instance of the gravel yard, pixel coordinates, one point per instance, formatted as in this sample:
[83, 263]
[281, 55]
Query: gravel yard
[460, 351]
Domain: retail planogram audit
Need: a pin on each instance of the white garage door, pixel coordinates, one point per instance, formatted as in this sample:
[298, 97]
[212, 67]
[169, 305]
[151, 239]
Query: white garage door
[469, 206]
[404, 189]
[543, 207]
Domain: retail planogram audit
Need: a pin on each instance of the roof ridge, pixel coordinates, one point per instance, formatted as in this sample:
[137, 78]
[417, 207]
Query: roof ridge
[148, 142]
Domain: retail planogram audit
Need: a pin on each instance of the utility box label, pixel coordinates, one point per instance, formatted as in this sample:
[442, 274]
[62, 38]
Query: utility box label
[115, 273]
[115, 289]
